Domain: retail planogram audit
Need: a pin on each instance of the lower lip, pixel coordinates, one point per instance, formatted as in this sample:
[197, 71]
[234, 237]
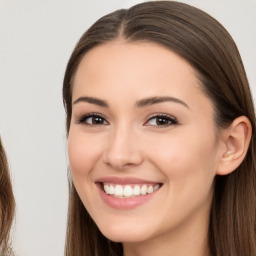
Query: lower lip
[124, 203]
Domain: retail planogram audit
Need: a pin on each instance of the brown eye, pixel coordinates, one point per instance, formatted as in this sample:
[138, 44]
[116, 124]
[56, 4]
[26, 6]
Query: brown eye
[93, 119]
[161, 120]
[96, 120]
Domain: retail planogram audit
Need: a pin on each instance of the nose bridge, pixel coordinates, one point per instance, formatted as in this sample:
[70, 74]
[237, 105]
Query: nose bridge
[122, 149]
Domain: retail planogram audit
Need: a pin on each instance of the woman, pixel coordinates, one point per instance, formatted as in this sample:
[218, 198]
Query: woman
[161, 137]
[7, 204]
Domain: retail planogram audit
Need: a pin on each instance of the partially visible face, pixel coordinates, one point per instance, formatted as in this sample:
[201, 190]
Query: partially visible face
[142, 144]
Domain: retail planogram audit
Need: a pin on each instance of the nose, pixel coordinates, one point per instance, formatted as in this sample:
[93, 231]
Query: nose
[123, 150]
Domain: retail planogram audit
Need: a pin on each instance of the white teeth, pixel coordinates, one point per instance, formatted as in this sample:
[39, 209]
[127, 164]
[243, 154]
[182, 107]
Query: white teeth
[136, 190]
[119, 191]
[106, 188]
[143, 190]
[150, 189]
[156, 187]
[128, 190]
[111, 190]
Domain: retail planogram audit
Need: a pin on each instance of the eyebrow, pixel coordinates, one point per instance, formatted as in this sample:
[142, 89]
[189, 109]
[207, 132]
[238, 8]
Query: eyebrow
[141, 103]
[92, 100]
[155, 100]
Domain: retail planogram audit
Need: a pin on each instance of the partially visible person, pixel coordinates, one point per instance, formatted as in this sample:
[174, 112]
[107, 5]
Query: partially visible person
[7, 204]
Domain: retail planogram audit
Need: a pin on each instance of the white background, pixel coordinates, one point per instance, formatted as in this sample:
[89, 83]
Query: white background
[36, 40]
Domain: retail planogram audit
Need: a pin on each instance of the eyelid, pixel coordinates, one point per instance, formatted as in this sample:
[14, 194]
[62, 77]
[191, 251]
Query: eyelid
[81, 119]
[171, 118]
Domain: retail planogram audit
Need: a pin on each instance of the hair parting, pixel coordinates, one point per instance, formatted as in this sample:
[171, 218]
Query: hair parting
[211, 51]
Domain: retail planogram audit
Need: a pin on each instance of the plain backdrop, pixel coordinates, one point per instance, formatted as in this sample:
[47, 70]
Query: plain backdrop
[36, 40]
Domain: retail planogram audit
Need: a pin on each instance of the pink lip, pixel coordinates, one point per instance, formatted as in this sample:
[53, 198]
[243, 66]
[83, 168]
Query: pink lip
[124, 203]
[124, 180]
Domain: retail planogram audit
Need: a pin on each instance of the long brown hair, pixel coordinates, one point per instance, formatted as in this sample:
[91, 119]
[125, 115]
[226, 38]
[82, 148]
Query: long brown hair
[208, 47]
[7, 204]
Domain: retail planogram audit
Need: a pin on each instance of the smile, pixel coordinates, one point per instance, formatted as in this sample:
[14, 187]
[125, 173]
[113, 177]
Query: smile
[124, 193]
[129, 191]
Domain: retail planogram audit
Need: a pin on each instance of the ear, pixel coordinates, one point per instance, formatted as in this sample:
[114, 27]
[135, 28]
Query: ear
[235, 143]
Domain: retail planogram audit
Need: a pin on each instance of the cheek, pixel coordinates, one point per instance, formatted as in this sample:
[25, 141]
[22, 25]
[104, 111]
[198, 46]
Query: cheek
[187, 161]
[189, 171]
[82, 155]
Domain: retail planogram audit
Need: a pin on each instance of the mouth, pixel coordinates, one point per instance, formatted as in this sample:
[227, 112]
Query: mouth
[129, 190]
[126, 193]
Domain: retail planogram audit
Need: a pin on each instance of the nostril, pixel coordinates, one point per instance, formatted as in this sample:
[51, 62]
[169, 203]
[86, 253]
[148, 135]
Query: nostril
[121, 160]
[122, 150]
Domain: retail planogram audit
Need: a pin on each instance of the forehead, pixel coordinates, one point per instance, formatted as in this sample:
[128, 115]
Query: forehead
[146, 54]
[124, 73]
[133, 63]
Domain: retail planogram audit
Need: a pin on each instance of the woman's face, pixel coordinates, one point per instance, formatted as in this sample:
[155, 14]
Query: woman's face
[142, 144]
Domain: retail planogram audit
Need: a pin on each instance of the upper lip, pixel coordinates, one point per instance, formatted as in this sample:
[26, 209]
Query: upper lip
[124, 180]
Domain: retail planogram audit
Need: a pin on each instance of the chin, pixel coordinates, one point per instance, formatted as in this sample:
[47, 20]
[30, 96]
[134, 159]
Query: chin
[128, 235]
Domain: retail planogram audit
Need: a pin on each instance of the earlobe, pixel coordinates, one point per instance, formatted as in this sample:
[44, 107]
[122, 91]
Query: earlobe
[236, 139]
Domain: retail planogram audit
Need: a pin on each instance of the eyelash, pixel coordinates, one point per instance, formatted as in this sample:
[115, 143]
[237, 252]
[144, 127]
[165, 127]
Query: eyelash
[84, 119]
[167, 119]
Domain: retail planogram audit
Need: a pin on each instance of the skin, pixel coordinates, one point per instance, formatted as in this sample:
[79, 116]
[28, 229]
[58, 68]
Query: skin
[131, 142]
